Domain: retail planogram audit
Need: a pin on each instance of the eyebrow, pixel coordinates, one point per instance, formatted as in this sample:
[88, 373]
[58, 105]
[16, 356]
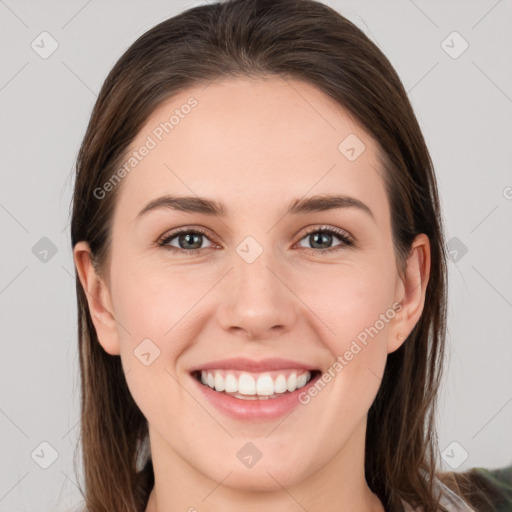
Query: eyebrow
[194, 204]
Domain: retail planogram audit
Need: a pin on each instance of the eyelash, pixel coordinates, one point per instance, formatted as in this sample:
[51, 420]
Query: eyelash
[339, 233]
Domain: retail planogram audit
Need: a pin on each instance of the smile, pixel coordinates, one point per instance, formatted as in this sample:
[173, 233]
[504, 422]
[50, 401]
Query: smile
[254, 386]
[249, 396]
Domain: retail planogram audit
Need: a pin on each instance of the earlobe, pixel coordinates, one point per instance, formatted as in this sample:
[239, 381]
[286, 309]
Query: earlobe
[98, 299]
[411, 292]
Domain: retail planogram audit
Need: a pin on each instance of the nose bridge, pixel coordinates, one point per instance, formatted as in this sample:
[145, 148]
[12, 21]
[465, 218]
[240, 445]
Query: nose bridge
[257, 300]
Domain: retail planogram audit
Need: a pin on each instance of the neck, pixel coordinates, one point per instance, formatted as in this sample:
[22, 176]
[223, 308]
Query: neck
[337, 486]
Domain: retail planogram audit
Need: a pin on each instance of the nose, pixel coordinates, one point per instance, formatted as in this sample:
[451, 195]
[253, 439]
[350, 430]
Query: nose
[257, 302]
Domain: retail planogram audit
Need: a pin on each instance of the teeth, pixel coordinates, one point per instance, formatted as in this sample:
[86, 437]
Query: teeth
[246, 384]
[301, 380]
[291, 383]
[231, 384]
[264, 386]
[280, 384]
[219, 382]
[253, 385]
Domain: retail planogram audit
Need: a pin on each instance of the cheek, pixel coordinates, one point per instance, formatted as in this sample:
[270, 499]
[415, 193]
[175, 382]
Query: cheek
[155, 302]
[353, 310]
[350, 303]
[155, 306]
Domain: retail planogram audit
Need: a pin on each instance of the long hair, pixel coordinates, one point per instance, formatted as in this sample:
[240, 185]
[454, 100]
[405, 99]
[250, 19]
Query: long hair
[291, 39]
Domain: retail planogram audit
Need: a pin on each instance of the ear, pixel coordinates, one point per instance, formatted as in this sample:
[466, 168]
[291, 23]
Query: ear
[98, 299]
[410, 292]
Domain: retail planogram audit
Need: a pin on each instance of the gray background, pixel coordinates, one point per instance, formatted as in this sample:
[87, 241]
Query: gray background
[464, 106]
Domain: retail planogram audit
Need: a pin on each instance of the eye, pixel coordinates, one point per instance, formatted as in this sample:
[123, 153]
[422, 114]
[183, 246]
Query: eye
[319, 237]
[188, 240]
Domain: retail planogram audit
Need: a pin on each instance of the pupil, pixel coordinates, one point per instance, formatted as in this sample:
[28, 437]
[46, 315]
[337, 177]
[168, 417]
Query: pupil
[316, 236]
[189, 237]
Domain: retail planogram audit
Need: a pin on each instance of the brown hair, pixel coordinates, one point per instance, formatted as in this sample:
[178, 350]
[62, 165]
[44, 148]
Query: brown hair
[296, 39]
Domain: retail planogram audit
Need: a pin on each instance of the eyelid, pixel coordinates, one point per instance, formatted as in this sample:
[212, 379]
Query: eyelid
[325, 227]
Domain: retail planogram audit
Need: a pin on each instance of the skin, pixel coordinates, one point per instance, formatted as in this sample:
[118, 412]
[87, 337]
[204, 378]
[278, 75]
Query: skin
[255, 145]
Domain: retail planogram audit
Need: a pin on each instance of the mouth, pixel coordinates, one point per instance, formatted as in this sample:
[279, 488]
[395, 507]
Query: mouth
[246, 385]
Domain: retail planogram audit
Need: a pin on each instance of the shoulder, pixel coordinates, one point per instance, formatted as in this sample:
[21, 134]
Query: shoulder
[450, 501]
[489, 490]
[484, 490]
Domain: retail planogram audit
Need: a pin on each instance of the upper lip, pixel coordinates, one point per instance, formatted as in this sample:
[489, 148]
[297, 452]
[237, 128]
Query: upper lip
[242, 363]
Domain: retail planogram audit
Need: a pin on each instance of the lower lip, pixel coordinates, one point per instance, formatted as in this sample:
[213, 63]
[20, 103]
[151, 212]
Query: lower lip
[263, 409]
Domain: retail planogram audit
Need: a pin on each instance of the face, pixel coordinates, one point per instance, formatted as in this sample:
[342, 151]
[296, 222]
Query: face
[315, 287]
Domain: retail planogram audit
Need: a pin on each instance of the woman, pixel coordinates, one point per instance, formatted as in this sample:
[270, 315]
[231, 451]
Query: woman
[231, 358]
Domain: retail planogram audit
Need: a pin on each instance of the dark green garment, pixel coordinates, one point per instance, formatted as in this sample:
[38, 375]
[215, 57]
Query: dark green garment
[486, 490]
[476, 490]
[496, 485]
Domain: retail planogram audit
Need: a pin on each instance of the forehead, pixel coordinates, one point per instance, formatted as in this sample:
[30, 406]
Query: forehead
[265, 140]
